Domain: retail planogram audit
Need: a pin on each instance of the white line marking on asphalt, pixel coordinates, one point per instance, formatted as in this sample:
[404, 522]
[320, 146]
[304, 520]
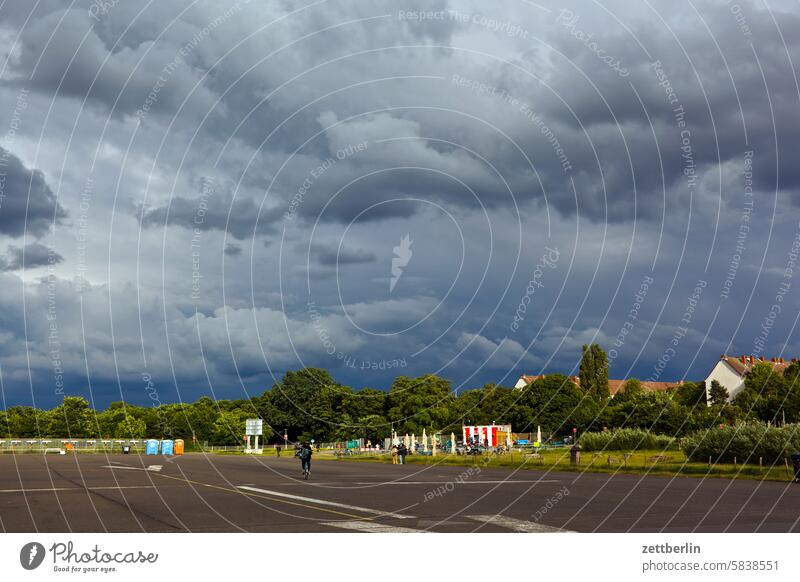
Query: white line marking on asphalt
[519, 525]
[371, 527]
[74, 489]
[156, 468]
[324, 502]
[460, 483]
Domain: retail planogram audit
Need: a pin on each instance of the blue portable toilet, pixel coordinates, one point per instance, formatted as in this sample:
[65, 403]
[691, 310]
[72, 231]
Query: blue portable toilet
[152, 447]
[166, 447]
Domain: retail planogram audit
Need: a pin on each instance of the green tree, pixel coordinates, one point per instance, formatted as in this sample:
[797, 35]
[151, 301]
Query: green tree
[374, 427]
[656, 411]
[73, 418]
[558, 405]
[717, 394]
[630, 389]
[109, 419]
[690, 394]
[131, 428]
[791, 377]
[770, 389]
[417, 403]
[594, 372]
[25, 421]
[229, 428]
[292, 397]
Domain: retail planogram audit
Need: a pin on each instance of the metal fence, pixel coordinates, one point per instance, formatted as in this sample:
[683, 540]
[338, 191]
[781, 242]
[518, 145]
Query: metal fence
[24, 445]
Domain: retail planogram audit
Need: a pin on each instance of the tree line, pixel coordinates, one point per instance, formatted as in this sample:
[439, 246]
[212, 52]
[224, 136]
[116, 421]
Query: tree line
[309, 403]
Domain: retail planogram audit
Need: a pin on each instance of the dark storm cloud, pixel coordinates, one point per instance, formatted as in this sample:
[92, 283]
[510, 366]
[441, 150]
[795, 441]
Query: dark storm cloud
[233, 250]
[727, 88]
[317, 85]
[29, 257]
[328, 255]
[27, 205]
[240, 217]
[63, 53]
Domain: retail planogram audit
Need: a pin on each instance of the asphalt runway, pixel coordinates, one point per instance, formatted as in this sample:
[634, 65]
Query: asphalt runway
[217, 493]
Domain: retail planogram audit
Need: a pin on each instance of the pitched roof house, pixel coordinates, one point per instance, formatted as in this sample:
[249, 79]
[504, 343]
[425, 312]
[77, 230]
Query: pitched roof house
[731, 370]
[614, 386]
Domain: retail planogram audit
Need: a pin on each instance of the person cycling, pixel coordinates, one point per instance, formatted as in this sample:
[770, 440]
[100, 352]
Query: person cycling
[305, 453]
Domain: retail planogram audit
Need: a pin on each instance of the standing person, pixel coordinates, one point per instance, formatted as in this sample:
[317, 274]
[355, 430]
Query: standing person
[401, 453]
[278, 450]
[394, 454]
[305, 453]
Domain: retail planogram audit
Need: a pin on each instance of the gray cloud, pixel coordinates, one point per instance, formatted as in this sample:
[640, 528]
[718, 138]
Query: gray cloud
[29, 257]
[328, 255]
[238, 216]
[27, 205]
[476, 177]
[233, 250]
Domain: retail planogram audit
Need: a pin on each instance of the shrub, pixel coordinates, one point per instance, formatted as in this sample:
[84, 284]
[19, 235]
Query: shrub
[747, 442]
[625, 439]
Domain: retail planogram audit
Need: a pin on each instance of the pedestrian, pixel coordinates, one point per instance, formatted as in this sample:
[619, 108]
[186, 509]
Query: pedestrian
[278, 450]
[394, 454]
[401, 453]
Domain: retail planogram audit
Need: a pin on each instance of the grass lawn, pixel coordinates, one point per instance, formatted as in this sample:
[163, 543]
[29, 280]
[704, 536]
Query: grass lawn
[667, 463]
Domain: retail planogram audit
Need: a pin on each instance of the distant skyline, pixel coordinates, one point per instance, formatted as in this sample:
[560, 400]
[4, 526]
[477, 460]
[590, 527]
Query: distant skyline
[197, 197]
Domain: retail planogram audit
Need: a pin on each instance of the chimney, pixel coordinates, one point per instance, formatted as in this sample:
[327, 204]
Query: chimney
[744, 359]
[761, 358]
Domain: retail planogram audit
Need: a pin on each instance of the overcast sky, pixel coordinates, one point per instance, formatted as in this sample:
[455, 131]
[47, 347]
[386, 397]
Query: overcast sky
[198, 196]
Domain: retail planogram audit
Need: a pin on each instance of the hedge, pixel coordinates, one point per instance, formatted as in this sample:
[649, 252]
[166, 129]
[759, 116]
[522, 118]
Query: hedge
[625, 439]
[746, 442]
